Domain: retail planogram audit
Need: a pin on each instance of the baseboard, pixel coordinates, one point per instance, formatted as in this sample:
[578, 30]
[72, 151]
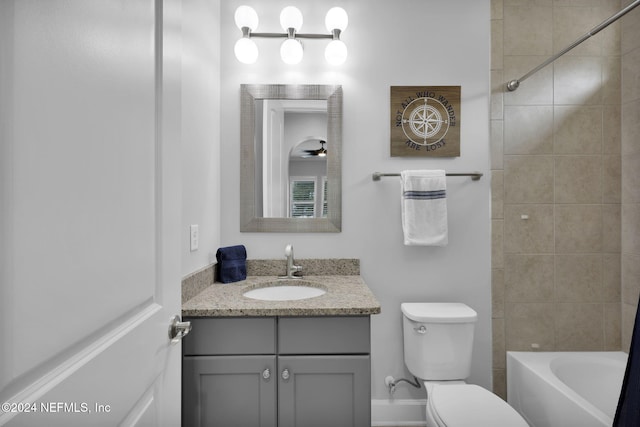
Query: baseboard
[398, 412]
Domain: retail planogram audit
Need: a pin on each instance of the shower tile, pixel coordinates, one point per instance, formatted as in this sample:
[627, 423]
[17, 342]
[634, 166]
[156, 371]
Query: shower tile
[528, 2]
[612, 327]
[630, 138]
[497, 90]
[497, 144]
[578, 228]
[500, 383]
[612, 37]
[579, 327]
[528, 30]
[631, 73]
[531, 235]
[571, 23]
[497, 293]
[578, 179]
[497, 245]
[630, 31]
[611, 178]
[530, 323]
[497, 44]
[537, 89]
[611, 80]
[578, 80]
[528, 278]
[611, 231]
[497, 194]
[528, 129]
[611, 277]
[579, 278]
[575, 3]
[631, 226]
[499, 349]
[628, 320]
[611, 118]
[577, 130]
[528, 179]
[496, 9]
[630, 288]
[631, 178]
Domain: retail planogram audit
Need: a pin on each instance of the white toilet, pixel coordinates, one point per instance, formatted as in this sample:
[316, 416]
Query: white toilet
[438, 339]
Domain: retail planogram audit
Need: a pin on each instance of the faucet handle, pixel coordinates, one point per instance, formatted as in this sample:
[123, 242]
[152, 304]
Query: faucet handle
[288, 250]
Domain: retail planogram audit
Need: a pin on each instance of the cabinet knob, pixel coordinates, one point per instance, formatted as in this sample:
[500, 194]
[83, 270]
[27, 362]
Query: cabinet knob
[285, 374]
[266, 374]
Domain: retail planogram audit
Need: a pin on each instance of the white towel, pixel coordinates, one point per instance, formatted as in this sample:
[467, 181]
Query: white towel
[424, 207]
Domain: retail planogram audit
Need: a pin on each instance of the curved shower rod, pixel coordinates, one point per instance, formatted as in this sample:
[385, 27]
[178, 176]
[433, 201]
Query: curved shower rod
[514, 84]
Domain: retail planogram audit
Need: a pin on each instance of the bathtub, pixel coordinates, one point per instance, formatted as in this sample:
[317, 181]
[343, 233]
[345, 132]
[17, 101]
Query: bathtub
[565, 389]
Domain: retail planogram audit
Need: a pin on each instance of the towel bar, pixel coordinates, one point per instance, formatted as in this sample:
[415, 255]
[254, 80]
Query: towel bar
[475, 176]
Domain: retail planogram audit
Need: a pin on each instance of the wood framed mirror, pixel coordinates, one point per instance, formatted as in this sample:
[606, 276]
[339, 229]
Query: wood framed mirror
[291, 158]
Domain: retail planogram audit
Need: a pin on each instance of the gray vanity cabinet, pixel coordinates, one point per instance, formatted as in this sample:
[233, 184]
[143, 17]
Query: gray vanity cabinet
[228, 371]
[228, 391]
[324, 391]
[277, 371]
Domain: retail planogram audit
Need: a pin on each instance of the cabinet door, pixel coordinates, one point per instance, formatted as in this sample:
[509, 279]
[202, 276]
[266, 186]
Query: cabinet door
[229, 391]
[320, 391]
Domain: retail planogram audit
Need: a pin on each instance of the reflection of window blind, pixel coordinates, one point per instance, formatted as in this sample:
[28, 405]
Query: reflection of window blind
[303, 198]
[324, 197]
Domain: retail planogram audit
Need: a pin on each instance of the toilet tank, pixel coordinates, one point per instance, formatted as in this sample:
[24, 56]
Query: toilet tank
[438, 339]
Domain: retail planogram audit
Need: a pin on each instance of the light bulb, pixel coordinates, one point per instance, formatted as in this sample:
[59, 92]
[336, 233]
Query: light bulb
[336, 18]
[246, 16]
[291, 51]
[336, 52]
[246, 51]
[291, 17]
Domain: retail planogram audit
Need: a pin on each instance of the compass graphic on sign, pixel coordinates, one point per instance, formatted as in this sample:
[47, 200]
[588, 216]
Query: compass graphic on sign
[425, 121]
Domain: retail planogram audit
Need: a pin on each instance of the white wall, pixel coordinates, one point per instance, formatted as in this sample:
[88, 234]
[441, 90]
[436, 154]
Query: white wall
[200, 131]
[400, 43]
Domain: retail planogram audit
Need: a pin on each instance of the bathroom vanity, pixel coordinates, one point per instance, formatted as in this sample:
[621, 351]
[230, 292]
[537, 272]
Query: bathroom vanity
[263, 363]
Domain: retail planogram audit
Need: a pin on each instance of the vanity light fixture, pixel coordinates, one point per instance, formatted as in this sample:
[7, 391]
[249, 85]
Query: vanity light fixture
[291, 50]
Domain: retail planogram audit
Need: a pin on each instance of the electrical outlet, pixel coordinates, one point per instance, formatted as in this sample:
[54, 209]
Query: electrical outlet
[194, 237]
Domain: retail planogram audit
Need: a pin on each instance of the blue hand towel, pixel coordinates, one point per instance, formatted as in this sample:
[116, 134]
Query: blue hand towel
[232, 263]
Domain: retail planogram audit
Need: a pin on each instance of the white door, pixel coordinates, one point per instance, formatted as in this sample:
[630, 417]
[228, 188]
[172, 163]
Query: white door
[90, 212]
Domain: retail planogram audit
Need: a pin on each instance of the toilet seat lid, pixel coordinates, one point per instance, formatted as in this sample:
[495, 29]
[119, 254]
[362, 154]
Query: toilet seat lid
[471, 405]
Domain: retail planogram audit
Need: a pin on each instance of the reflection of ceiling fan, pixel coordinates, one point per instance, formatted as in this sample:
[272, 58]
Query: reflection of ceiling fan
[320, 152]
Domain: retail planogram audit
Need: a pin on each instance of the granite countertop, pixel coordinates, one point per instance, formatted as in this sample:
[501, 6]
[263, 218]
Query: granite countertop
[347, 295]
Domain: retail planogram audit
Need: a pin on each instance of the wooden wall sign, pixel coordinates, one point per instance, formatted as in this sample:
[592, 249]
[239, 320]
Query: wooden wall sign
[425, 121]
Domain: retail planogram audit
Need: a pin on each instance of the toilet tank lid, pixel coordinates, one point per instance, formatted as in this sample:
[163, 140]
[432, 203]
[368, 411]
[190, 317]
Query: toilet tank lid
[439, 312]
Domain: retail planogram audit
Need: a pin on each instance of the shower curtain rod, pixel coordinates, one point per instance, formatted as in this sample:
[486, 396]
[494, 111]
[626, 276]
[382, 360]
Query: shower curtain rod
[513, 84]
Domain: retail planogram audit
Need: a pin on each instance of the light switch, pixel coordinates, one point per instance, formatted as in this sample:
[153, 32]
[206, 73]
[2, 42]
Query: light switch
[194, 237]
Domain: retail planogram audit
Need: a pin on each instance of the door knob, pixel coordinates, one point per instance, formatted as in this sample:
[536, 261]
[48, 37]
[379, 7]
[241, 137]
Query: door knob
[178, 329]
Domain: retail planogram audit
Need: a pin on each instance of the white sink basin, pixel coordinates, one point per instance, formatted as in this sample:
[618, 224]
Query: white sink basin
[285, 290]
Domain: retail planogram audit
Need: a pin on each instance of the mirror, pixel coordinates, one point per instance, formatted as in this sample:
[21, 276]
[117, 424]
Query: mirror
[291, 151]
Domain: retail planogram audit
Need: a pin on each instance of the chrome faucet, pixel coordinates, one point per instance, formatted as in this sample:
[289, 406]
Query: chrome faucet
[291, 268]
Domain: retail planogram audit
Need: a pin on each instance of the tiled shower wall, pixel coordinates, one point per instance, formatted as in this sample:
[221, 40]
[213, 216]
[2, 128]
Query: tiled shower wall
[556, 180]
[630, 49]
